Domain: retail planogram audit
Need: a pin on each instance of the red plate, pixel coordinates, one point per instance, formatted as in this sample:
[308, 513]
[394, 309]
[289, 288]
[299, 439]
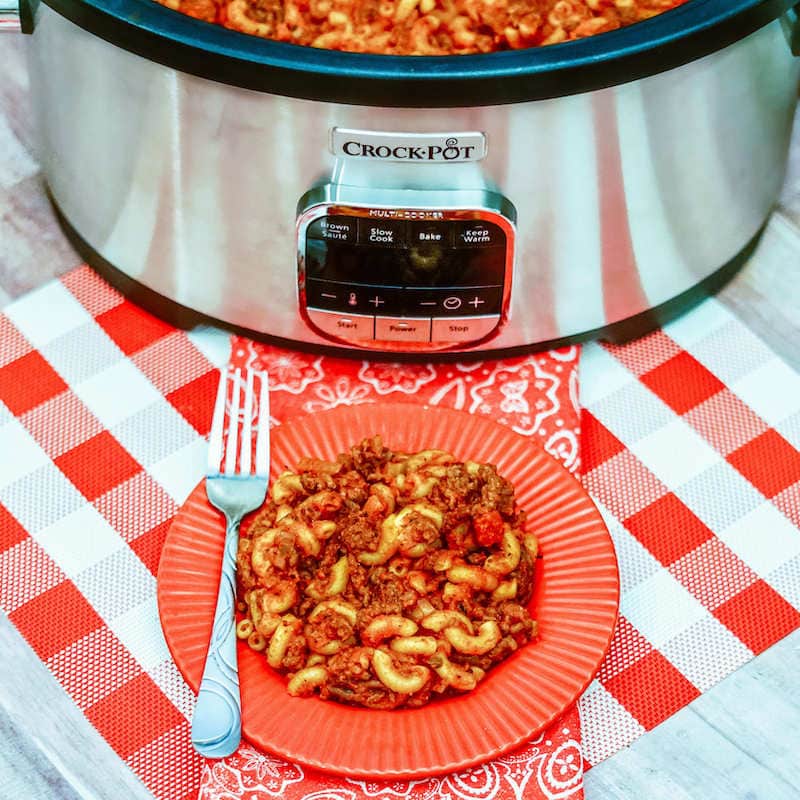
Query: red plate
[575, 601]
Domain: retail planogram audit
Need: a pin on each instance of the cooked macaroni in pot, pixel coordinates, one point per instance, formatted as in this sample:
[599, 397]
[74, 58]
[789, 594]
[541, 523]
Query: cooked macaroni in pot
[423, 27]
[386, 579]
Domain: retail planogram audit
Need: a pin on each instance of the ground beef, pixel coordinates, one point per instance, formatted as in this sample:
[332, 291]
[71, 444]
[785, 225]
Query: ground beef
[514, 620]
[388, 595]
[358, 535]
[327, 627]
[369, 457]
[525, 573]
[296, 654]
[351, 680]
[316, 482]
[354, 487]
[458, 489]
[496, 492]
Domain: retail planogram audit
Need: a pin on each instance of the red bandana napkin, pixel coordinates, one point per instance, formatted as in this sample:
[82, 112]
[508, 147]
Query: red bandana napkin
[535, 396]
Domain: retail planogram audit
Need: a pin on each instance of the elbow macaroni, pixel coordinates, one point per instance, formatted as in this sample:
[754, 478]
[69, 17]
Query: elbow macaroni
[421, 27]
[509, 560]
[306, 680]
[387, 626]
[394, 598]
[393, 678]
[485, 640]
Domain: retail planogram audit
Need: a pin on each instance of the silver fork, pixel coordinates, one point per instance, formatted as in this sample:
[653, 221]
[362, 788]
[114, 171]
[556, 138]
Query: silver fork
[235, 489]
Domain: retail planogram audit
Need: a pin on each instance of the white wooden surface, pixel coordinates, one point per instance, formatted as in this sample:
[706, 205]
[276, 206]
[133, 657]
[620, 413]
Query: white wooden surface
[739, 741]
[48, 750]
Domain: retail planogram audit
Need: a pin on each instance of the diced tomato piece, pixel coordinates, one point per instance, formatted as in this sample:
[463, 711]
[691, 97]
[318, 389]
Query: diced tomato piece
[488, 528]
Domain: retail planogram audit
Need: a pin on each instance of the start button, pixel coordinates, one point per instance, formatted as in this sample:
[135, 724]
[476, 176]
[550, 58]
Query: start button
[343, 326]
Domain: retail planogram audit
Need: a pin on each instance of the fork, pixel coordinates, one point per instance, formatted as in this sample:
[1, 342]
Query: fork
[236, 488]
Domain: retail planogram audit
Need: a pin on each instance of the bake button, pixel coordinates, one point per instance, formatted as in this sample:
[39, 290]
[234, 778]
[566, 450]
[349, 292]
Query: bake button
[463, 329]
[396, 329]
[430, 234]
[343, 326]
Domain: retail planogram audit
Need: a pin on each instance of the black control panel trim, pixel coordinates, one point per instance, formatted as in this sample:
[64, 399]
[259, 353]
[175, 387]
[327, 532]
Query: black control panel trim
[403, 271]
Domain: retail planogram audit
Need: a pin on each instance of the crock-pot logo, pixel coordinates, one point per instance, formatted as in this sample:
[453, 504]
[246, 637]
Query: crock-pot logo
[450, 150]
[419, 147]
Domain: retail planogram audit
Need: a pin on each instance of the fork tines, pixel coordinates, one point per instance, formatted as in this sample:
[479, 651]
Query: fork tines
[238, 447]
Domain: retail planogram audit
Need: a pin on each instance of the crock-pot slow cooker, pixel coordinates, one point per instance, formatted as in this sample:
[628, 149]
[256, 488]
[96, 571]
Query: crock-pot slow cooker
[414, 204]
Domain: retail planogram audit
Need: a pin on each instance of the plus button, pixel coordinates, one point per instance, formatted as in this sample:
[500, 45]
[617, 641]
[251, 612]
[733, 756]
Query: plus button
[476, 301]
[376, 301]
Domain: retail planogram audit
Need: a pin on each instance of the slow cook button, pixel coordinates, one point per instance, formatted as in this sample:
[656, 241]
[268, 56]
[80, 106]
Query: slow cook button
[391, 329]
[463, 329]
[355, 327]
[382, 233]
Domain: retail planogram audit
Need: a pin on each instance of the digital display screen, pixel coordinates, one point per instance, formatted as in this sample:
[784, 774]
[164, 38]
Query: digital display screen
[429, 267]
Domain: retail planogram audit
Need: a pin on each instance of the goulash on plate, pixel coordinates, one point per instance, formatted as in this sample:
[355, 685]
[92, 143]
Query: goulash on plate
[386, 579]
[423, 27]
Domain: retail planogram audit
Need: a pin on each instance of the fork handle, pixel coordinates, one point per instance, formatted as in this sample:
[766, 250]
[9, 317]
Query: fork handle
[217, 719]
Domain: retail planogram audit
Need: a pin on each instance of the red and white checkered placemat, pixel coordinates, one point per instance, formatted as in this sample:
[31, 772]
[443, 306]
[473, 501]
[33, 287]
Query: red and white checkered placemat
[105, 410]
[691, 448]
[690, 443]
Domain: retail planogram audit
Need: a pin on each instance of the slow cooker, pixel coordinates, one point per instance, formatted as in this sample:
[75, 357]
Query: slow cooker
[407, 205]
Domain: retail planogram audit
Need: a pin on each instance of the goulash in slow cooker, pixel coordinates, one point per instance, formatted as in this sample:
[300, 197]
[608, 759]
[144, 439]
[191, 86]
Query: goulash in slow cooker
[423, 27]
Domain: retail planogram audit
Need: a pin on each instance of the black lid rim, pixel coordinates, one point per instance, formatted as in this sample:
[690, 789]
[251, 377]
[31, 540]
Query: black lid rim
[667, 41]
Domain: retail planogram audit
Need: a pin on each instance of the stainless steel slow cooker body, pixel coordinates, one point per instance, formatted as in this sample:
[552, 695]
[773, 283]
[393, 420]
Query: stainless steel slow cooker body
[640, 166]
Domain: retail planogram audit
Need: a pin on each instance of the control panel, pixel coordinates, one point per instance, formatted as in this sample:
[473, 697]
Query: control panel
[404, 279]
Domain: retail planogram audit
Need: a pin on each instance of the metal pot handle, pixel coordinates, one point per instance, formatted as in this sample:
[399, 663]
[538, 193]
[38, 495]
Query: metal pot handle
[793, 15]
[17, 15]
[9, 16]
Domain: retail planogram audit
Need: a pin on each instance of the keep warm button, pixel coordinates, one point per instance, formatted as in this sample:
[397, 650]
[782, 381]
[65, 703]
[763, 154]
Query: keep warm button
[463, 329]
[391, 329]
